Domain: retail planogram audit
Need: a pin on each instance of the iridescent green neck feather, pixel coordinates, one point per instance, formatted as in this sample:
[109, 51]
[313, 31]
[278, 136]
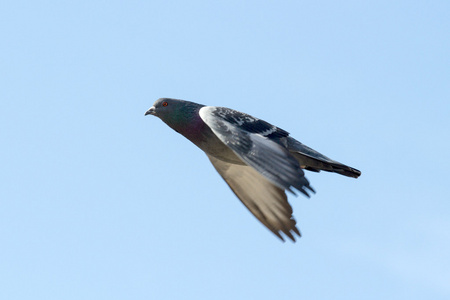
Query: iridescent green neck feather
[184, 119]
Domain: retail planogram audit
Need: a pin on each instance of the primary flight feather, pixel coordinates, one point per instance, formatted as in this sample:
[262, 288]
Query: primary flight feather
[259, 161]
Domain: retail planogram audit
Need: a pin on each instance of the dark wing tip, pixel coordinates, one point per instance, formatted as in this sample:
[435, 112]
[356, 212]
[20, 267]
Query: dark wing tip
[295, 229]
[287, 232]
[278, 235]
[311, 189]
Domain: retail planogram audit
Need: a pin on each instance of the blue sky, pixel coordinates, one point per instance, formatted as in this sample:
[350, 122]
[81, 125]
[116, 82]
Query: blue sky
[100, 202]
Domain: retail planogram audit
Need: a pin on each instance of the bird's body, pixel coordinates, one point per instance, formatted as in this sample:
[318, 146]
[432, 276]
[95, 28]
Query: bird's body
[259, 161]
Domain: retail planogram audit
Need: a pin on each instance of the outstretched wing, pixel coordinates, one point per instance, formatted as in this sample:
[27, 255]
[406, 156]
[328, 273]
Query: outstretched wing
[267, 202]
[252, 140]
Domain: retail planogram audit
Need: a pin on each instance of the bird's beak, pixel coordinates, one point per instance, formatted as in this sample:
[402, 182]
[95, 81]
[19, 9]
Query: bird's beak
[150, 111]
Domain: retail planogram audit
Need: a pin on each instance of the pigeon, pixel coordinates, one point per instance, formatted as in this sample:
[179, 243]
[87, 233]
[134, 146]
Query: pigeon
[258, 161]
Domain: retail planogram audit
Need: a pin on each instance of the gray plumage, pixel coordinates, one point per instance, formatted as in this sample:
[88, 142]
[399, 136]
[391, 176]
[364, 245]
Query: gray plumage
[258, 161]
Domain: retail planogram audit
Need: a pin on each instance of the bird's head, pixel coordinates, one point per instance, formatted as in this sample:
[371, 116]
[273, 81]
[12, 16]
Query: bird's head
[164, 107]
[175, 113]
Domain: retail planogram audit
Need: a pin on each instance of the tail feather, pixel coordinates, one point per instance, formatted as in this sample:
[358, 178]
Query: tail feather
[312, 160]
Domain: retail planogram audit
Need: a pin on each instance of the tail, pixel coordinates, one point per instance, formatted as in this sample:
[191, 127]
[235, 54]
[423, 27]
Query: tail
[312, 160]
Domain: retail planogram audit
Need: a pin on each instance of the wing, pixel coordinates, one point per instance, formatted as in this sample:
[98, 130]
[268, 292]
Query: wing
[247, 122]
[267, 202]
[312, 160]
[252, 140]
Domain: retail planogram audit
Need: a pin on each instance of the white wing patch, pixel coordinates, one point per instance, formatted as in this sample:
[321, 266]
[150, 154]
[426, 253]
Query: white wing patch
[206, 113]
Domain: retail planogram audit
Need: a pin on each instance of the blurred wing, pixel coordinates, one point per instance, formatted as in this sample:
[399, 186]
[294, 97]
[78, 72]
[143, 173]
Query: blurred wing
[267, 202]
[249, 138]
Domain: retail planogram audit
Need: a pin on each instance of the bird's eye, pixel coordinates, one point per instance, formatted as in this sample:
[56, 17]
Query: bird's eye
[165, 103]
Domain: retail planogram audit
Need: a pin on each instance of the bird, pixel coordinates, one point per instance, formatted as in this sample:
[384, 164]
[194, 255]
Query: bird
[258, 161]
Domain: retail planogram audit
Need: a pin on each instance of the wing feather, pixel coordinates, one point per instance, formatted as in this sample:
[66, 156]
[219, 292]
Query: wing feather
[266, 156]
[266, 201]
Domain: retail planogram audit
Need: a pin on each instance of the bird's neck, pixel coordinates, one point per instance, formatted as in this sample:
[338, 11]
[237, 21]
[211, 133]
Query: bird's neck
[189, 124]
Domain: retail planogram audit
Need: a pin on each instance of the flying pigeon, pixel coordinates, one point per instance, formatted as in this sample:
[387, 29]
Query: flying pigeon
[258, 160]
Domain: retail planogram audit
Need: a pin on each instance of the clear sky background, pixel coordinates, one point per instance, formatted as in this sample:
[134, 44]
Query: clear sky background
[99, 202]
